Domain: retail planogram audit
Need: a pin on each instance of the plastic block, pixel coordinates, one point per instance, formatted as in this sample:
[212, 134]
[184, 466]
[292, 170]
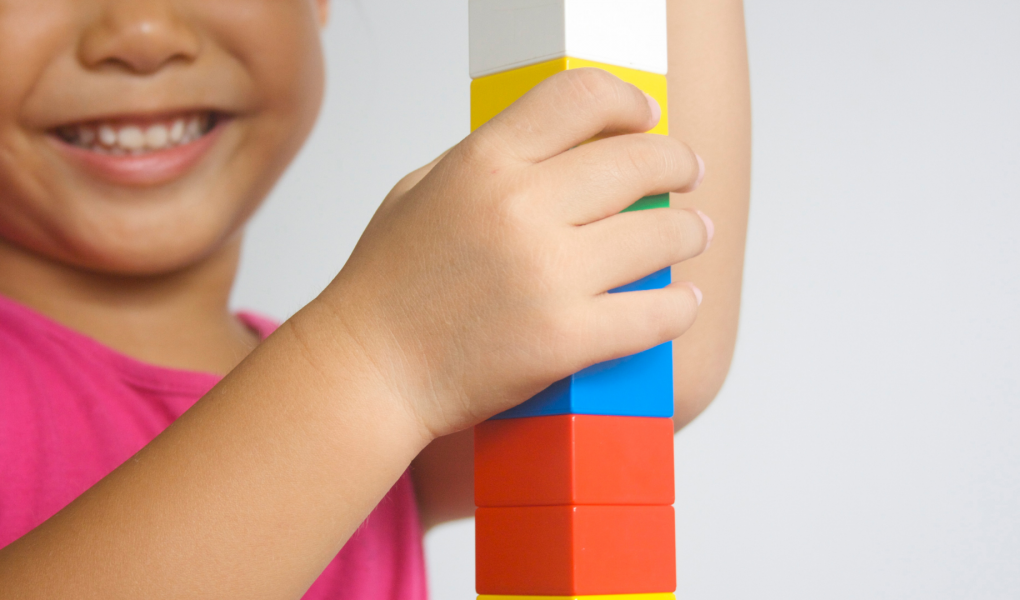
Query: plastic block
[507, 34]
[606, 597]
[655, 281]
[493, 93]
[574, 459]
[649, 202]
[640, 385]
[582, 550]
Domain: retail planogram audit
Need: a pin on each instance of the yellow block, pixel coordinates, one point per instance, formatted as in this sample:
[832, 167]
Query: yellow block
[492, 93]
[610, 597]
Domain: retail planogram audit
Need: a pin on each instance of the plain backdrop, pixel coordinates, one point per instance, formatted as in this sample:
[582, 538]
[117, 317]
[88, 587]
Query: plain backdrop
[867, 442]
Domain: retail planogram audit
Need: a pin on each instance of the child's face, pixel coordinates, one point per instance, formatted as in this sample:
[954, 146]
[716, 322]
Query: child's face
[136, 136]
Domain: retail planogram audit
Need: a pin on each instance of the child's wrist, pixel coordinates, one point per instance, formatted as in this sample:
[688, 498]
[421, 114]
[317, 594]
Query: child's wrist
[354, 366]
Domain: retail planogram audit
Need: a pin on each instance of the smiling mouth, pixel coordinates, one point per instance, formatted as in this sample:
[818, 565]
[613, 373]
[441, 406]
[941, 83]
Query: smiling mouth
[131, 137]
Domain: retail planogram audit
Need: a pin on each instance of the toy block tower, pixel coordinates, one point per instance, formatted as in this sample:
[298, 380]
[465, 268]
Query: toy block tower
[575, 486]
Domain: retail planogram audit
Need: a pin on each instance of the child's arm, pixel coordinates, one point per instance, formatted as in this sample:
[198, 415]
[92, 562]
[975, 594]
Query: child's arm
[477, 283]
[710, 109]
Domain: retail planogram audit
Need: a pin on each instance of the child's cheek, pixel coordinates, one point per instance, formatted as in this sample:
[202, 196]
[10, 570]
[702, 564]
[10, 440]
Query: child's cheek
[261, 58]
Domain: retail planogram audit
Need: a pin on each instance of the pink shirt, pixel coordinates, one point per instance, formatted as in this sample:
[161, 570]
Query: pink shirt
[72, 410]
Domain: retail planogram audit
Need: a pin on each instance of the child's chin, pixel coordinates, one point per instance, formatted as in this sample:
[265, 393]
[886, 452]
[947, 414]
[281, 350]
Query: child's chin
[151, 253]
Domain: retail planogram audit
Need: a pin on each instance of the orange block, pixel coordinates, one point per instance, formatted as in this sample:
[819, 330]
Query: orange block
[568, 550]
[574, 459]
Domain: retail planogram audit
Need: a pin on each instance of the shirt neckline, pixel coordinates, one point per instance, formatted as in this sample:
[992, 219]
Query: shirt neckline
[135, 372]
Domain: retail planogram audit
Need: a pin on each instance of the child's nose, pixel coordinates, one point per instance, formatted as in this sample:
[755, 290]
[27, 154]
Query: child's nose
[138, 35]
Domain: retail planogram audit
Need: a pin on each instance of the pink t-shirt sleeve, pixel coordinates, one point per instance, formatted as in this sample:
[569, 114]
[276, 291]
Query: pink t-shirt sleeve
[72, 410]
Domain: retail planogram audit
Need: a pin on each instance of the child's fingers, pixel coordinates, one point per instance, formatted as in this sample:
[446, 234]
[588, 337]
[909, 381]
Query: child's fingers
[564, 111]
[600, 179]
[626, 247]
[630, 322]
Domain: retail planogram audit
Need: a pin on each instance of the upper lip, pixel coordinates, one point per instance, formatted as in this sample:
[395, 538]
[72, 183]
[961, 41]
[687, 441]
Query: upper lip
[136, 117]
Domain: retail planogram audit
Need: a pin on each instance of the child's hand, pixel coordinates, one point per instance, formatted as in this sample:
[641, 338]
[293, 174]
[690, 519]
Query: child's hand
[482, 278]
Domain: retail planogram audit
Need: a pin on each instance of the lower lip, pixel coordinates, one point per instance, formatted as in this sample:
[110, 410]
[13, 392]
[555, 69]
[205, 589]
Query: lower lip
[152, 168]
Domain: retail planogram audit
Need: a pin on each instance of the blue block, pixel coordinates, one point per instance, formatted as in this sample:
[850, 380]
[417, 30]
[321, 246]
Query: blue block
[655, 281]
[640, 385]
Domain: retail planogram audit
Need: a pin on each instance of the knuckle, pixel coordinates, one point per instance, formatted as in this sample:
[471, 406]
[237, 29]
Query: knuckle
[677, 157]
[669, 230]
[510, 208]
[673, 234]
[644, 157]
[655, 160]
[490, 146]
[682, 159]
[410, 180]
[680, 153]
[473, 151]
[668, 161]
[590, 86]
[656, 153]
[682, 229]
[514, 228]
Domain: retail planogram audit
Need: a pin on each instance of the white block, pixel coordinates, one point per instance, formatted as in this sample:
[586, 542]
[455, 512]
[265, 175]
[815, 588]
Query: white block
[507, 34]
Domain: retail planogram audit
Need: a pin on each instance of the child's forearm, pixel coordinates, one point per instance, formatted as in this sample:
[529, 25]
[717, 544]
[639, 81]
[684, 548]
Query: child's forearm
[250, 494]
[481, 280]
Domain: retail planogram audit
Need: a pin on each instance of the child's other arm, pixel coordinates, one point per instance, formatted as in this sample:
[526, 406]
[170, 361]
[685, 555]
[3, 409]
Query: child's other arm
[710, 109]
[478, 282]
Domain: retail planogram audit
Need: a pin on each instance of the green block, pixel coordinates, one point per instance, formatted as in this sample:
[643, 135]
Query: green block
[659, 201]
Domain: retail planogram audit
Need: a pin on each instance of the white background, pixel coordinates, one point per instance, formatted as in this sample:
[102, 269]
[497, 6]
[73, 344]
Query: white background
[867, 443]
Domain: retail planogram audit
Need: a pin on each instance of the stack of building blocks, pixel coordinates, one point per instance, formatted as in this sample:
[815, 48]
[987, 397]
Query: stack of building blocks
[575, 486]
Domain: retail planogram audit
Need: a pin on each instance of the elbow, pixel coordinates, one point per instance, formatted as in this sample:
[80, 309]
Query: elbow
[698, 377]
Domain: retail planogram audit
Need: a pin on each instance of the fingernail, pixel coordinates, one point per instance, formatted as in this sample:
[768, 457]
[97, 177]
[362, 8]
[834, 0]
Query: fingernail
[709, 226]
[653, 106]
[697, 292]
[698, 180]
[701, 172]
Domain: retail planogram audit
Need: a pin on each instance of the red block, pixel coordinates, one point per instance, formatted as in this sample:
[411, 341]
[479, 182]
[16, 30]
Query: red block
[568, 550]
[574, 459]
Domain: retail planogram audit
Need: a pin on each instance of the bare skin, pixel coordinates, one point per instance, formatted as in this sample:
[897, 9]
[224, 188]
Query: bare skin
[255, 489]
[710, 101]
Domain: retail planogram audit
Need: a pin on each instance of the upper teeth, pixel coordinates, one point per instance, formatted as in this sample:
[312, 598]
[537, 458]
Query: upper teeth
[136, 139]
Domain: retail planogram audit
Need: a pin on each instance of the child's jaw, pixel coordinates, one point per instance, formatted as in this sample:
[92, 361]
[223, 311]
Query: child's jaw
[98, 169]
